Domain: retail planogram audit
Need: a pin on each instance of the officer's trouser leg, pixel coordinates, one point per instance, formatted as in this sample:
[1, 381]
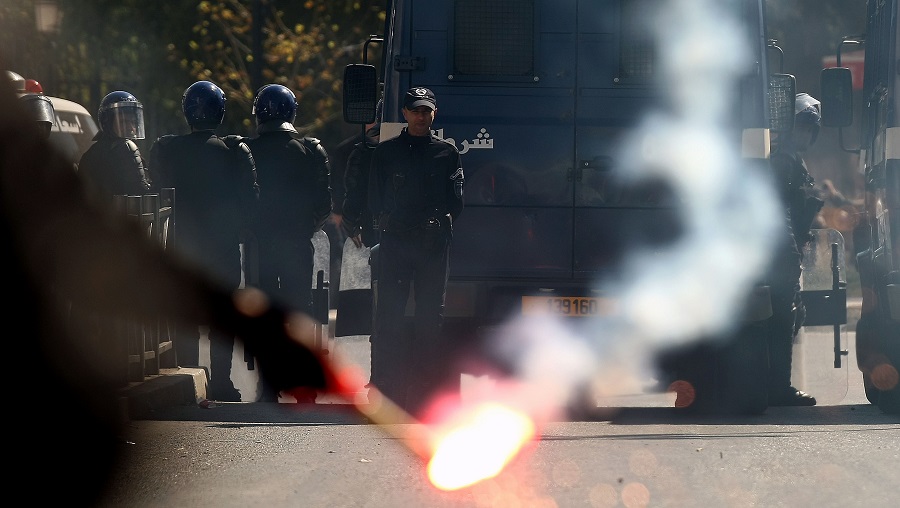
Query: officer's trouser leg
[187, 345]
[221, 349]
[389, 347]
[429, 368]
[781, 341]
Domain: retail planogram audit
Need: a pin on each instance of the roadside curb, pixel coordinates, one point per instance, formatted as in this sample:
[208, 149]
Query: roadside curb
[179, 386]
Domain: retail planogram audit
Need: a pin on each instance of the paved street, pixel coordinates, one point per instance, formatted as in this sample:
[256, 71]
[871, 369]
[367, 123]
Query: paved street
[841, 453]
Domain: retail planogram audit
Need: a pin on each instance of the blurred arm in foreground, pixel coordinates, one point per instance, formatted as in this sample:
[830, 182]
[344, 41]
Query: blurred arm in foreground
[57, 245]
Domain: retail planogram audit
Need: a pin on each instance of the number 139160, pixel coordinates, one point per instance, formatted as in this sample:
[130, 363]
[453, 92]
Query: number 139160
[574, 306]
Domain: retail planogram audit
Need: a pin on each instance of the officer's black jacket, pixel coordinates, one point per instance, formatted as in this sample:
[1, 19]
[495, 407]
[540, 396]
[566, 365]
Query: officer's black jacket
[357, 217]
[340, 158]
[293, 176]
[413, 179]
[796, 188]
[215, 187]
[113, 166]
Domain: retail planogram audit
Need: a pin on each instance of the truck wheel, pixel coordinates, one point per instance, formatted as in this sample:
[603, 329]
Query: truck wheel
[889, 401]
[871, 391]
[878, 348]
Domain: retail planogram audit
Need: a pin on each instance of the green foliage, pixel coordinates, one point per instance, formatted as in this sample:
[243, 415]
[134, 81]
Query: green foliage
[157, 49]
[305, 46]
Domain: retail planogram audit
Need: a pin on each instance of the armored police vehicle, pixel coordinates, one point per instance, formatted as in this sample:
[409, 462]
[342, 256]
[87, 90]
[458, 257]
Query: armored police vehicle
[539, 96]
[877, 238]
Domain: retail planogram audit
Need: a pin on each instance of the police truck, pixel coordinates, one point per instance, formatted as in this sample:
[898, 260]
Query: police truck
[538, 96]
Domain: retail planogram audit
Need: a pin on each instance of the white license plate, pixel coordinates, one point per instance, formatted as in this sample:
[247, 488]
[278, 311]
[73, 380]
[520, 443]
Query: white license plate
[569, 306]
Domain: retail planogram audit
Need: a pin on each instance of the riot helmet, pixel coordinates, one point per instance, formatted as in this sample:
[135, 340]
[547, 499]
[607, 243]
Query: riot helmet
[203, 105]
[275, 108]
[121, 115]
[808, 114]
[41, 110]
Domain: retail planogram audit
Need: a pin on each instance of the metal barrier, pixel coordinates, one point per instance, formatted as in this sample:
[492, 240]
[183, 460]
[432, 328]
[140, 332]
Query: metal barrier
[149, 346]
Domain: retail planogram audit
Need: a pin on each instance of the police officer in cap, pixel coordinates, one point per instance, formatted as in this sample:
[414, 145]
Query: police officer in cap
[113, 165]
[801, 204]
[294, 202]
[415, 192]
[215, 190]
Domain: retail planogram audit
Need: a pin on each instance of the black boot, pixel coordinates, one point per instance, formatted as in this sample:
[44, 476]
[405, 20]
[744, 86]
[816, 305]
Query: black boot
[791, 397]
[221, 348]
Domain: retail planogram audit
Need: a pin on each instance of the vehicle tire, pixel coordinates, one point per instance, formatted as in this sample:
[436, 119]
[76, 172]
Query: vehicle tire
[889, 401]
[866, 340]
[878, 345]
[872, 393]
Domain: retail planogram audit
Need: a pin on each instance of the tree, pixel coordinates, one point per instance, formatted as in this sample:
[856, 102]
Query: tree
[157, 49]
[305, 47]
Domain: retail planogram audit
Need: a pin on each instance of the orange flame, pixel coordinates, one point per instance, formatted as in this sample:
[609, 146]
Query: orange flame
[479, 446]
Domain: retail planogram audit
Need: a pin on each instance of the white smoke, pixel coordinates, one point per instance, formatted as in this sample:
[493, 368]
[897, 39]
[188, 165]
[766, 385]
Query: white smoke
[697, 285]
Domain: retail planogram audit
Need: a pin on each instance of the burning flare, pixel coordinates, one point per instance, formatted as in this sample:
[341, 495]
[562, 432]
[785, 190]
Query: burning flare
[479, 446]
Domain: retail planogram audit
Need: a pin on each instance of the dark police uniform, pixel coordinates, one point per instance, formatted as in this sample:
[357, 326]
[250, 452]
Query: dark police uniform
[415, 191]
[114, 166]
[797, 191]
[294, 202]
[215, 187]
[357, 216]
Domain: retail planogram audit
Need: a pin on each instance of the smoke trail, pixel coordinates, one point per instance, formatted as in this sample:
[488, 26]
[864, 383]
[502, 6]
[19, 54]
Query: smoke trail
[697, 285]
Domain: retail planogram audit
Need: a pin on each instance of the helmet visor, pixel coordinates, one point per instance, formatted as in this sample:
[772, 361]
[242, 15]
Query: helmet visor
[127, 120]
[40, 108]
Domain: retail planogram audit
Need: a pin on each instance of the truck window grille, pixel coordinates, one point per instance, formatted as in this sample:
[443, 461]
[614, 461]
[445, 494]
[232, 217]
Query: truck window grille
[493, 38]
[636, 49]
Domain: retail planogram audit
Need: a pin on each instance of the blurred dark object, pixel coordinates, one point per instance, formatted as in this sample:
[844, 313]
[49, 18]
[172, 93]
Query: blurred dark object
[59, 247]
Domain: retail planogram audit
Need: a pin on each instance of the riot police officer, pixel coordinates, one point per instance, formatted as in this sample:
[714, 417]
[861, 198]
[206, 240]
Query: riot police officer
[68, 371]
[798, 195]
[113, 165]
[215, 189]
[40, 108]
[416, 192]
[294, 201]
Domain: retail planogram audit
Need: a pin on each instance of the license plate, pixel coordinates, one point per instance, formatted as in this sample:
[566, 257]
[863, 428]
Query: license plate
[569, 306]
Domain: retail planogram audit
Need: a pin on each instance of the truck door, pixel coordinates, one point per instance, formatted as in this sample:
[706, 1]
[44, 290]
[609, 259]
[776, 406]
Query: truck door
[615, 66]
[506, 99]
[536, 95]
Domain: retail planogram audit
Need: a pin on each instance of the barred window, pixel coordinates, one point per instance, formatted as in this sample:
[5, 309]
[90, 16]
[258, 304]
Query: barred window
[494, 38]
[637, 52]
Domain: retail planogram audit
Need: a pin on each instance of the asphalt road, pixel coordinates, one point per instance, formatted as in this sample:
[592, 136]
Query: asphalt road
[843, 452]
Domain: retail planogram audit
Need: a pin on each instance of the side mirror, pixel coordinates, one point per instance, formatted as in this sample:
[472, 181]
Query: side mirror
[837, 97]
[360, 93]
[782, 94]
